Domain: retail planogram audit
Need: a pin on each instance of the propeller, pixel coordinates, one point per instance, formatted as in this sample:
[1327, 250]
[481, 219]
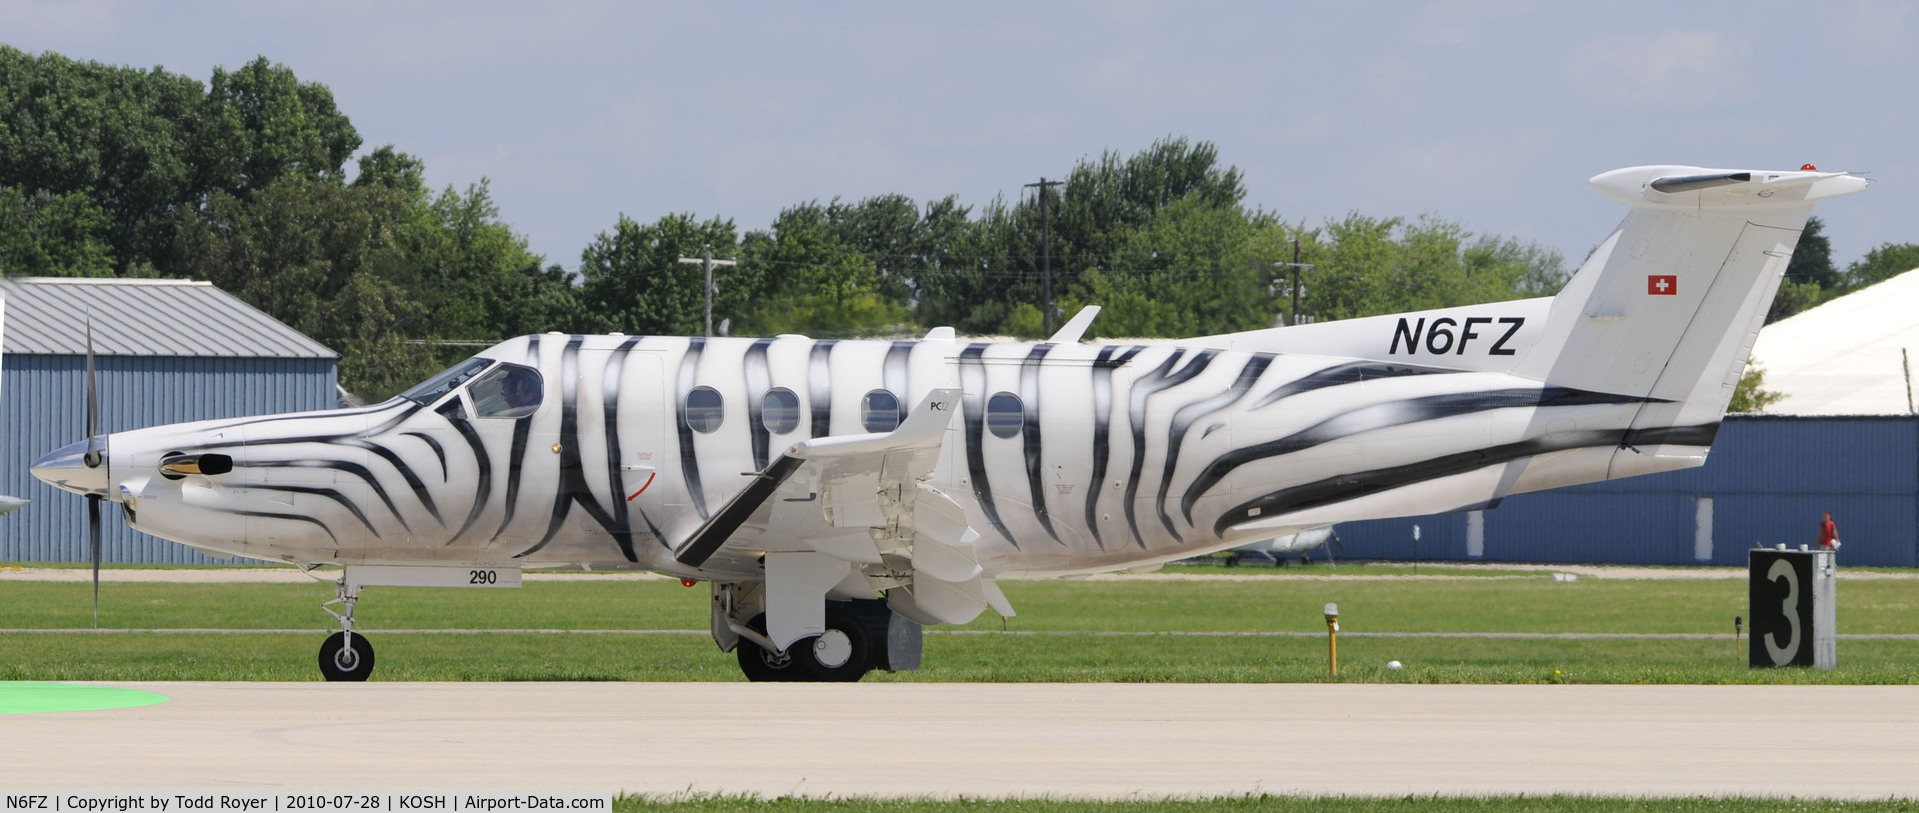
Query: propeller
[94, 459]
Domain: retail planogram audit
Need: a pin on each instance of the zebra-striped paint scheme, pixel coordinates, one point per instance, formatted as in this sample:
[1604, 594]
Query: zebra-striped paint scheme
[1121, 454]
[1064, 457]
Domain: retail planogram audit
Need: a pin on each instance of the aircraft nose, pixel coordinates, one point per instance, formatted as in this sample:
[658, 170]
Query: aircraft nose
[66, 468]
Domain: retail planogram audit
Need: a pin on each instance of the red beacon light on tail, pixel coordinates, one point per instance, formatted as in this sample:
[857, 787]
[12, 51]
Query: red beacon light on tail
[1808, 168]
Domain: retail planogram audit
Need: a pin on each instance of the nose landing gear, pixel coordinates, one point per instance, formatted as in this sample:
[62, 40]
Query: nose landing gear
[345, 655]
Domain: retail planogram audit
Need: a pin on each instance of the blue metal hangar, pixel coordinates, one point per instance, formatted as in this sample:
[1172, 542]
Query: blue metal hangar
[164, 351]
[1767, 481]
[1844, 438]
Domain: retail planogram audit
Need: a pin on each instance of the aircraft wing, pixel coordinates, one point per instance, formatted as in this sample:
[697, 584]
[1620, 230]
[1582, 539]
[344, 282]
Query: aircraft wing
[830, 510]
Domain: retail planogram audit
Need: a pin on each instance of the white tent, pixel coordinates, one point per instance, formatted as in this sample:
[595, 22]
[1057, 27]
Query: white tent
[1843, 357]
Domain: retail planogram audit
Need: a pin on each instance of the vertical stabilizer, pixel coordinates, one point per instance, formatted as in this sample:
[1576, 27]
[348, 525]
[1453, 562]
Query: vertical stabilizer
[1667, 308]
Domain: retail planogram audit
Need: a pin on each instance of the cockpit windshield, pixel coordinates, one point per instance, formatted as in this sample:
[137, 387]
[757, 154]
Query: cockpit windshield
[430, 390]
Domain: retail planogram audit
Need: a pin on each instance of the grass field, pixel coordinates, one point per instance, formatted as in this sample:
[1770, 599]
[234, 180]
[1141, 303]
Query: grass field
[1128, 629]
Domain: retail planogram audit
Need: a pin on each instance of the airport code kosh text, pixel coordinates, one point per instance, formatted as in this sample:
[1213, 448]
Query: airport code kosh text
[295, 802]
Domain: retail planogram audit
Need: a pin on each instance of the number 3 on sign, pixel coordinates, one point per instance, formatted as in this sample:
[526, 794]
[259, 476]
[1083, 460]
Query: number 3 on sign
[1783, 570]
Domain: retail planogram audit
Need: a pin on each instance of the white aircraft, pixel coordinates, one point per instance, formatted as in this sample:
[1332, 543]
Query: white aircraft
[1280, 549]
[791, 475]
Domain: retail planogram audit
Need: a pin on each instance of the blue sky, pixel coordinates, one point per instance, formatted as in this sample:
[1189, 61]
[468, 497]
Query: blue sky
[1489, 113]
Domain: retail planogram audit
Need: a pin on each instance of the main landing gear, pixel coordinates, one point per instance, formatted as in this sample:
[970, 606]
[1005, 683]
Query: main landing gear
[841, 654]
[345, 655]
[858, 636]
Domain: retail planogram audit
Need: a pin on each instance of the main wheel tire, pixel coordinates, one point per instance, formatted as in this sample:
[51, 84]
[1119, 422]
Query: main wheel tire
[762, 666]
[339, 661]
[841, 654]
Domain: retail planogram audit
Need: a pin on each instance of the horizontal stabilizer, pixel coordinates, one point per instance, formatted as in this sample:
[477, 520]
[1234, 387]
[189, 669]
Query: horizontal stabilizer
[1699, 189]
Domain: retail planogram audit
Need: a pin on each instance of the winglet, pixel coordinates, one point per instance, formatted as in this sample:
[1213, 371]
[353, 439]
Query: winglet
[1070, 332]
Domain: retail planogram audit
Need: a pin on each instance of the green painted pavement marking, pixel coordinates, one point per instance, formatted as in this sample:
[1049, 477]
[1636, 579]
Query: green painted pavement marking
[24, 697]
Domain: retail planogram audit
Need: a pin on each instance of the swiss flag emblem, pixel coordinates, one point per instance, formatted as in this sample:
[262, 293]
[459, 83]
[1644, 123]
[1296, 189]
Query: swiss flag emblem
[1662, 285]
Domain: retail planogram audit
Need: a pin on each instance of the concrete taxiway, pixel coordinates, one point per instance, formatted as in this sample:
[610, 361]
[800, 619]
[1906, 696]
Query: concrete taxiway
[982, 740]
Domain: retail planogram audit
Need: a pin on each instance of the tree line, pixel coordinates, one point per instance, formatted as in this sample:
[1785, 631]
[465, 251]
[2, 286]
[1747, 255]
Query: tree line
[1812, 279]
[243, 180]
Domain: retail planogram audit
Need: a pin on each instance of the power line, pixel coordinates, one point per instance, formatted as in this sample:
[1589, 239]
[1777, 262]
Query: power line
[1046, 251]
[706, 261]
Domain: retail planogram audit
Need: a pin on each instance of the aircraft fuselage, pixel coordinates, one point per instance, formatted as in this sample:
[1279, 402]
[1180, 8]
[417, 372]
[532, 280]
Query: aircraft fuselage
[1066, 457]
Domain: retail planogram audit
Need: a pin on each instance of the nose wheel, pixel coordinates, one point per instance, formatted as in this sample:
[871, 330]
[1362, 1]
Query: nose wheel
[345, 655]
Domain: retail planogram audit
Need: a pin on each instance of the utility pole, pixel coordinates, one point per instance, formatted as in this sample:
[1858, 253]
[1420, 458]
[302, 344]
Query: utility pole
[706, 261]
[1297, 266]
[1046, 252]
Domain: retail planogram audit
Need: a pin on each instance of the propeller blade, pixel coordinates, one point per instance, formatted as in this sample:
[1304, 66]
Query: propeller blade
[93, 459]
[93, 404]
[93, 530]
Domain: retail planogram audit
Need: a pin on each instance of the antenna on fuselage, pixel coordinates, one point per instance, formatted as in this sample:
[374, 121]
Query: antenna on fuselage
[1076, 327]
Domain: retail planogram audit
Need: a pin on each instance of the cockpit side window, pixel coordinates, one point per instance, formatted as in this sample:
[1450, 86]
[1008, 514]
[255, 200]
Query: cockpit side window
[432, 389]
[506, 391]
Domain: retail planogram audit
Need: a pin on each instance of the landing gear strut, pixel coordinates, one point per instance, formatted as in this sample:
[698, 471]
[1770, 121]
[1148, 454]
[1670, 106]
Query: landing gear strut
[345, 655]
[762, 665]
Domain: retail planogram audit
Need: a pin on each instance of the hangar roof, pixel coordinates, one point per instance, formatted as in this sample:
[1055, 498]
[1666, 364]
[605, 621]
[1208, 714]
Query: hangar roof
[143, 317]
[1843, 357]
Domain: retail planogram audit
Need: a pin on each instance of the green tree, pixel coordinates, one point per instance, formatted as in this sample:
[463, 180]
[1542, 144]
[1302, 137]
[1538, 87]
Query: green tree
[1105, 200]
[1812, 260]
[310, 253]
[387, 166]
[1750, 394]
[48, 235]
[884, 230]
[1793, 297]
[987, 278]
[119, 135]
[1810, 276]
[147, 145]
[473, 274]
[634, 282]
[1194, 268]
[978, 280]
[820, 285]
[1366, 266]
[261, 122]
[1880, 264]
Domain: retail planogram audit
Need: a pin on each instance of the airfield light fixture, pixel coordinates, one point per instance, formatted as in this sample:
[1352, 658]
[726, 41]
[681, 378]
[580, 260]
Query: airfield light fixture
[1332, 637]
